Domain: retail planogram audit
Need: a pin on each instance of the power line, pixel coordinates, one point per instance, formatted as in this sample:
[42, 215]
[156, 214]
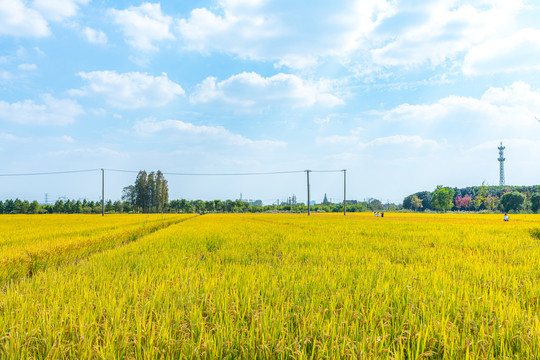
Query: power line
[170, 173]
[228, 174]
[51, 172]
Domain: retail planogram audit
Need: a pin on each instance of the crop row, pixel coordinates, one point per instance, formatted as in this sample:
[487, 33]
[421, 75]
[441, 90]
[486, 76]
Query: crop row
[31, 243]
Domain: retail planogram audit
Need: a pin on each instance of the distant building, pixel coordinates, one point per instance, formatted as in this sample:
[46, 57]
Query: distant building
[325, 201]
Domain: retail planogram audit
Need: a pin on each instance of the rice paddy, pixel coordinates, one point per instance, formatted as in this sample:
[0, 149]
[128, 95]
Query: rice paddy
[272, 286]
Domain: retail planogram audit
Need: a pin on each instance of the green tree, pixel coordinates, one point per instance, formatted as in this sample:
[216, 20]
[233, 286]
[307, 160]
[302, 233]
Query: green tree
[118, 207]
[425, 196]
[77, 207]
[142, 195]
[2, 207]
[442, 198]
[58, 206]
[161, 191]
[416, 202]
[129, 195]
[109, 206]
[34, 206]
[535, 202]
[9, 207]
[512, 201]
[480, 197]
[491, 202]
[25, 207]
[18, 206]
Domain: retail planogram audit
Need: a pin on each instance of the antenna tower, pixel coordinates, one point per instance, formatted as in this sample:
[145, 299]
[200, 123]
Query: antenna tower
[501, 164]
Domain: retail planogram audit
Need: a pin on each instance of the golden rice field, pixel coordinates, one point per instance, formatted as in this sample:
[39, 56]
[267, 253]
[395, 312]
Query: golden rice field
[406, 286]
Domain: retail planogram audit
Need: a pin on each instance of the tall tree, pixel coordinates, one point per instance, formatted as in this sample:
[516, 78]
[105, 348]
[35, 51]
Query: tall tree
[142, 196]
[151, 188]
[442, 198]
[162, 191]
[129, 195]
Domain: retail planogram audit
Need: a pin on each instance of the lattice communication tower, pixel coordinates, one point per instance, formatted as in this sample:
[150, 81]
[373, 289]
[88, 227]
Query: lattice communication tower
[501, 164]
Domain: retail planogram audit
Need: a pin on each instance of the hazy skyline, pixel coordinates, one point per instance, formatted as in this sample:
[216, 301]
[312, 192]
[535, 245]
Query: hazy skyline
[405, 95]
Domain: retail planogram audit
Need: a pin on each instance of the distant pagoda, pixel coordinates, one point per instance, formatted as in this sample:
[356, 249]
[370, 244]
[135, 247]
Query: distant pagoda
[501, 164]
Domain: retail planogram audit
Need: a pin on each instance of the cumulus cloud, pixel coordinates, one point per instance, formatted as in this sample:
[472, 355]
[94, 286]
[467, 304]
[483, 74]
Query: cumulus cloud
[512, 105]
[95, 36]
[519, 51]
[130, 90]
[250, 90]
[23, 19]
[499, 113]
[439, 30]
[143, 25]
[291, 33]
[17, 19]
[49, 111]
[58, 10]
[200, 133]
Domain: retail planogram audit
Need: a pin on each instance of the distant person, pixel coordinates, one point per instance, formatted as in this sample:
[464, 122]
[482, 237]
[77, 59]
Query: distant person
[375, 213]
[505, 217]
[382, 214]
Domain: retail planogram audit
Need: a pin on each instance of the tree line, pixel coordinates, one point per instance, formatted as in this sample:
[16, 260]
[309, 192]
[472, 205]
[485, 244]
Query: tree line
[477, 198]
[18, 206]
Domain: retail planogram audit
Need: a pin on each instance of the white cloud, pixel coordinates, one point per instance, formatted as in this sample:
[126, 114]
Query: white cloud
[27, 67]
[67, 139]
[519, 51]
[18, 20]
[200, 133]
[500, 112]
[130, 90]
[514, 104]
[440, 30]
[337, 139]
[95, 36]
[22, 19]
[291, 33]
[13, 138]
[250, 90]
[143, 25]
[409, 140]
[58, 10]
[5, 76]
[49, 111]
[89, 153]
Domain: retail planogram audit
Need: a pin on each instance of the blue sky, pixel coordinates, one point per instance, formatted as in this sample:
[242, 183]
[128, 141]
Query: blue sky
[405, 95]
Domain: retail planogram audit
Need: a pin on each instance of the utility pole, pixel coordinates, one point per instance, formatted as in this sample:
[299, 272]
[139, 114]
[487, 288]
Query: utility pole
[344, 191]
[102, 192]
[308, 197]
